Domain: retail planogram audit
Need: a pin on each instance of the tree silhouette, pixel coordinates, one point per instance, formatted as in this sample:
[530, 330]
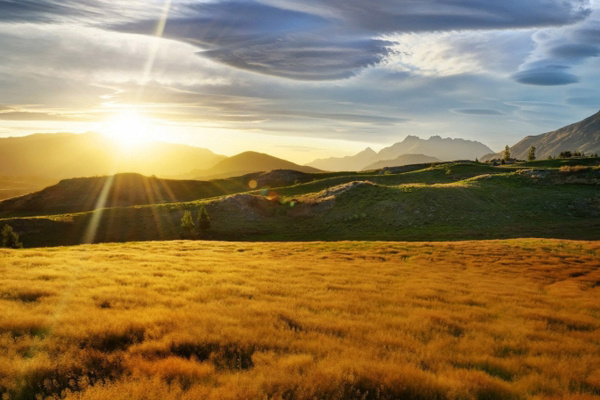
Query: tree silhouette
[531, 154]
[506, 155]
[187, 224]
[203, 220]
[10, 238]
[565, 154]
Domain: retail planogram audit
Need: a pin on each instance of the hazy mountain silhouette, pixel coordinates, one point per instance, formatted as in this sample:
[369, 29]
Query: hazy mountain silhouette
[583, 136]
[63, 155]
[348, 163]
[405, 159]
[248, 162]
[444, 149]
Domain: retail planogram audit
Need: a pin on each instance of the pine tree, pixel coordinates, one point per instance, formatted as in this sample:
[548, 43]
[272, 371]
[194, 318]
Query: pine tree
[531, 154]
[203, 220]
[10, 238]
[506, 155]
[187, 224]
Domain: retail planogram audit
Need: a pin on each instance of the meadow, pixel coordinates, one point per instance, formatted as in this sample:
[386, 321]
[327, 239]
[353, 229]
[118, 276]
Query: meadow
[502, 319]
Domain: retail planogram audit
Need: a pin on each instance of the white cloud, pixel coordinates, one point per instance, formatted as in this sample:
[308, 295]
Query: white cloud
[451, 53]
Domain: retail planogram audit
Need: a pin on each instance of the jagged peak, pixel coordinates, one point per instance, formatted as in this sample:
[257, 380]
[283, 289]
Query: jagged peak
[368, 150]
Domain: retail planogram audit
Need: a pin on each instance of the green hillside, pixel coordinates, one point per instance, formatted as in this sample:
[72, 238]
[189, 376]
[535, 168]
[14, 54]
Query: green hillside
[451, 201]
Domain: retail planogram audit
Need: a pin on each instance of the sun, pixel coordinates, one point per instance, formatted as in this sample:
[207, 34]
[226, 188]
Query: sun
[129, 129]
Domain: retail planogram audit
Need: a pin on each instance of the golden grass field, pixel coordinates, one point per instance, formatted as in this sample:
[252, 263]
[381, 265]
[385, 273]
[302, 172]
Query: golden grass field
[345, 320]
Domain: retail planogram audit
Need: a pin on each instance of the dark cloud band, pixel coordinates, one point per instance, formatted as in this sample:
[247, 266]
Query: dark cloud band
[323, 40]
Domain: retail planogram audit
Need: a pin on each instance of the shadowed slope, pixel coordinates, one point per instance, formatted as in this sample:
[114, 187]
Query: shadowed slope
[583, 136]
[81, 194]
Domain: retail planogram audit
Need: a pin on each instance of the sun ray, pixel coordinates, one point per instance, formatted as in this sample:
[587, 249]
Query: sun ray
[160, 28]
[92, 228]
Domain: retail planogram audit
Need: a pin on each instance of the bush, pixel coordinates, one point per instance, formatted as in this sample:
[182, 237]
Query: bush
[10, 238]
[565, 154]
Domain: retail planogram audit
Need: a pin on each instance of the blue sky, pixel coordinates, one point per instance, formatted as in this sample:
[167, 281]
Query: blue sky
[300, 79]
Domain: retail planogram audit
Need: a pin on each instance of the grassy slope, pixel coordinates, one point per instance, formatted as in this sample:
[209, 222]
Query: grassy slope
[443, 202]
[346, 320]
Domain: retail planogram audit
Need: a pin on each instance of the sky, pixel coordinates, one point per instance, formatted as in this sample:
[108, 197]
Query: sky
[299, 79]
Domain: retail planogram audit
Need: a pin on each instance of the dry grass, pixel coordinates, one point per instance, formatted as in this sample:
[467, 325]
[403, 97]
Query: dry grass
[347, 320]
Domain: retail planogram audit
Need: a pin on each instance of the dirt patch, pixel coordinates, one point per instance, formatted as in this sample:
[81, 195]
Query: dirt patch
[251, 207]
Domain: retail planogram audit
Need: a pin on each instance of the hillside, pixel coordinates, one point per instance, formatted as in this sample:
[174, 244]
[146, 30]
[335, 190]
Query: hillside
[129, 189]
[405, 159]
[583, 136]
[445, 149]
[121, 190]
[248, 162]
[185, 320]
[91, 154]
[446, 201]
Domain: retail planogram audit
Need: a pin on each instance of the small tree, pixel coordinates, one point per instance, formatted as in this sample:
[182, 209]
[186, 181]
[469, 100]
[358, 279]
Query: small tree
[203, 220]
[187, 224]
[10, 238]
[506, 155]
[531, 154]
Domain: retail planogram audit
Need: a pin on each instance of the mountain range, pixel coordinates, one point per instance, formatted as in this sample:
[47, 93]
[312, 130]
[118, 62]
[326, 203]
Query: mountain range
[582, 136]
[33, 162]
[436, 147]
[64, 155]
[400, 161]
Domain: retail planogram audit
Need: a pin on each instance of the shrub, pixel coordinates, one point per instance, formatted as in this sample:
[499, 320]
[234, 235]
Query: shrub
[10, 238]
[565, 154]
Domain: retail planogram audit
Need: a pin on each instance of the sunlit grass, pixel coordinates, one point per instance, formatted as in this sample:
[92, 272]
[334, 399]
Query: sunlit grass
[193, 320]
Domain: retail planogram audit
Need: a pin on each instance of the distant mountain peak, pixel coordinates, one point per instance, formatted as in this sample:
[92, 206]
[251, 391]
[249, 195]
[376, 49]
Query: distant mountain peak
[249, 162]
[368, 150]
[445, 149]
[410, 139]
[436, 148]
